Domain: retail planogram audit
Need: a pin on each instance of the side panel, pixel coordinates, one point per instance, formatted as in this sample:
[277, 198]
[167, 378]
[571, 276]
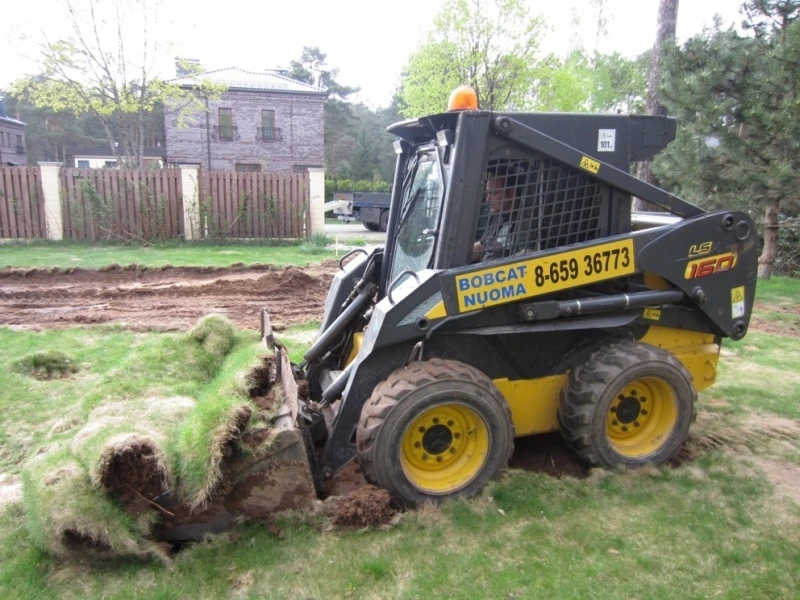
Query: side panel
[534, 402]
[699, 352]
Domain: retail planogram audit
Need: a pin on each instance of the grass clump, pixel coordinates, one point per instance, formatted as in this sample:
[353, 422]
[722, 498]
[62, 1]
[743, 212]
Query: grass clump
[216, 335]
[132, 437]
[122, 446]
[317, 244]
[46, 364]
[205, 438]
[68, 517]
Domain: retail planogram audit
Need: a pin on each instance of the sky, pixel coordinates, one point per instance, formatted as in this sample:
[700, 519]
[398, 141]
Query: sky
[368, 41]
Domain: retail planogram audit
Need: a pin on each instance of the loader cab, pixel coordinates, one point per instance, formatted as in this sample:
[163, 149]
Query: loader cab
[440, 208]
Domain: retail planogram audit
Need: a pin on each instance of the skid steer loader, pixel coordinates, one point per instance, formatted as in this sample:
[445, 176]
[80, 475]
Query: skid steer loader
[517, 295]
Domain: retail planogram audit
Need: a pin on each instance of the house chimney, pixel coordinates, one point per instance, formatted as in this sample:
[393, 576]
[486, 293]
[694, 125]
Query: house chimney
[186, 67]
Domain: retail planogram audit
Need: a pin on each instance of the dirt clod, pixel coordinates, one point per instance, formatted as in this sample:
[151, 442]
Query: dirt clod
[365, 507]
[133, 478]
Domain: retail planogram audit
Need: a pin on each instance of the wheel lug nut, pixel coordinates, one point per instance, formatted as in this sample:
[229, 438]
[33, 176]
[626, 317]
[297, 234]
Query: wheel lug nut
[422, 430]
[633, 392]
[615, 422]
[457, 435]
[636, 424]
[621, 397]
[452, 450]
[624, 428]
[417, 445]
[435, 420]
[644, 412]
[450, 423]
[613, 409]
[424, 457]
[642, 399]
[438, 459]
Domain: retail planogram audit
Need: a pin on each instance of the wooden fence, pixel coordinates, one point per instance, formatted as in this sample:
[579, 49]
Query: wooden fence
[142, 204]
[122, 204]
[254, 205]
[21, 203]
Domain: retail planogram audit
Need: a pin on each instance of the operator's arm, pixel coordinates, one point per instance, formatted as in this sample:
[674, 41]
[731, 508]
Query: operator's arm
[477, 251]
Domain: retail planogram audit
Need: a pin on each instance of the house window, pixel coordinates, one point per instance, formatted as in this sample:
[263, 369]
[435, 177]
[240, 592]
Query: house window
[248, 167]
[83, 164]
[110, 164]
[267, 124]
[225, 124]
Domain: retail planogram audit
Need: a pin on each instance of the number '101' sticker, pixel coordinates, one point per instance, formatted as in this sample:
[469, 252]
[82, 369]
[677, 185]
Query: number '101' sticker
[539, 276]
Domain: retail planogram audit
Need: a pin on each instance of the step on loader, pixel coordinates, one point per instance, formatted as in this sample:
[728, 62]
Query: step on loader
[516, 295]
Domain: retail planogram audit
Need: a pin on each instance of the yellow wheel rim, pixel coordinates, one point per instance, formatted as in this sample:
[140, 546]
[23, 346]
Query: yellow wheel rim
[642, 417]
[444, 448]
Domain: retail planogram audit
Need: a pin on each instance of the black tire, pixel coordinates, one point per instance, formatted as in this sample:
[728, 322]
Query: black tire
[598, 408]
[371, 226]
[414, 394]
[384, 223]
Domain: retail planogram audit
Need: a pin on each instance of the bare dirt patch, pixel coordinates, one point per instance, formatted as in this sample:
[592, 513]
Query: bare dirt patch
[787, 309]
[161, 299]
[10, 490]
[367, 506]
[789, 328]
[783, 475]
[759, 434]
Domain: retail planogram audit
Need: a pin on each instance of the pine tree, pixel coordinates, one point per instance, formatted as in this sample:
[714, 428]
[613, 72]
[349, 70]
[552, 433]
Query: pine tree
[738, 98]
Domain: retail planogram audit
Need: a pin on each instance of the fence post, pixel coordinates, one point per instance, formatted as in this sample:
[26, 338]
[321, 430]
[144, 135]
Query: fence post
[316, 202]
[190, 181]
[50, 172]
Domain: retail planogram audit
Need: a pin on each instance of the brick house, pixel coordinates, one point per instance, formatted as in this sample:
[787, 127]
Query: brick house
[265, 121]
[12, 139]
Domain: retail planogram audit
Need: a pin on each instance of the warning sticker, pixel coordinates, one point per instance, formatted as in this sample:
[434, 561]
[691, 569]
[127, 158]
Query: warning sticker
[606, 140]
[590, 165]
[737, 302]
[654, 314]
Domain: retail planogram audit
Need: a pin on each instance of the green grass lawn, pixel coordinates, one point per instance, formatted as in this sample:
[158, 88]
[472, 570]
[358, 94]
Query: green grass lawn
[716, 526]
[95, 256]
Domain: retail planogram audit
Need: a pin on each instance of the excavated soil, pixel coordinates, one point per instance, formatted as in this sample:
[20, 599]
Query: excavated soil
[134, 479]
[161, 299]
[367, 506]
[82, 544]
[546, 453]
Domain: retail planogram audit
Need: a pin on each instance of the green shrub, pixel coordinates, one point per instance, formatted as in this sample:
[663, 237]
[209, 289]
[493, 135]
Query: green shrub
[333, 186]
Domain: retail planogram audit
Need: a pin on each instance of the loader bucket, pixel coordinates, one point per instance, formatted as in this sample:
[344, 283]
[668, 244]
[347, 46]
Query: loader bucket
[276, 477]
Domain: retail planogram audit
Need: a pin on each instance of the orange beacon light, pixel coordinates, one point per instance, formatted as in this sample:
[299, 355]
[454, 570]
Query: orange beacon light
[463, 98]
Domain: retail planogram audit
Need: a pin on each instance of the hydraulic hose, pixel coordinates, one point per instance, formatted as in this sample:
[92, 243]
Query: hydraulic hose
[332, 333]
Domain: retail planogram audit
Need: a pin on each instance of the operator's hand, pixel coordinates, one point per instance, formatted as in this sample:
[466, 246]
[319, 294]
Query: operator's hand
[477, 252]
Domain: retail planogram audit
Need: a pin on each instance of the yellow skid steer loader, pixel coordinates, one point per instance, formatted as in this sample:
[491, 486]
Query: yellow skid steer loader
[516, 294]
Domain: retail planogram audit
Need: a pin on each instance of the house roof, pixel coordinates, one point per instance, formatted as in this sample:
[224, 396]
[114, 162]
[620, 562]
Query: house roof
[12, 121]
[239, 79]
